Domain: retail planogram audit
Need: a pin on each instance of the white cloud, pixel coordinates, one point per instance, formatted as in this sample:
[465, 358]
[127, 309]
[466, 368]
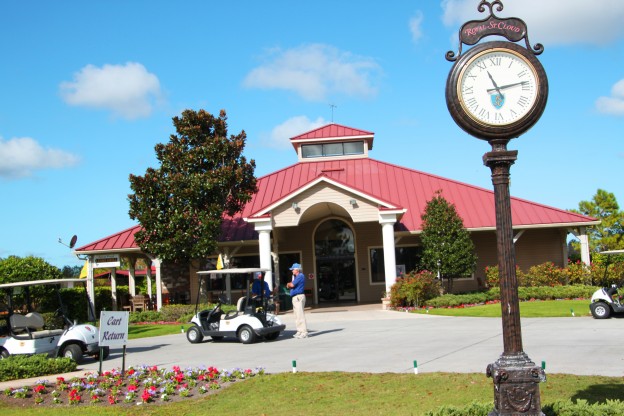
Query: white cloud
[21, 156]
[552, 22]
[613, 105]
[315, 72]
[127, 90]
[280, 135]
[415, 26]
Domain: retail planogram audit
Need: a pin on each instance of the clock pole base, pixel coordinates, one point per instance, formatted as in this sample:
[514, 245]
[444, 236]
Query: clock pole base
[516, 386]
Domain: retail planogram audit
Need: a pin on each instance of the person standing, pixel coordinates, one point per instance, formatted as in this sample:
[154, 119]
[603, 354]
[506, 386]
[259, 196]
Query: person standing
[297, 293]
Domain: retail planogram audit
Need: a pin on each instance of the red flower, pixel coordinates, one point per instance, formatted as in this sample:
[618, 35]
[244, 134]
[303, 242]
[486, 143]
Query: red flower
[132, 387]
[146, 396]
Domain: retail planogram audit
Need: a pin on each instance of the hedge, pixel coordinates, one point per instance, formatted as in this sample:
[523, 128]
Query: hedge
[558, 408]
[524, 294]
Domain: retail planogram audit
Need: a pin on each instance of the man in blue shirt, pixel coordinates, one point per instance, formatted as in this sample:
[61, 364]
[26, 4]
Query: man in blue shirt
[297, 292]
[258, 285]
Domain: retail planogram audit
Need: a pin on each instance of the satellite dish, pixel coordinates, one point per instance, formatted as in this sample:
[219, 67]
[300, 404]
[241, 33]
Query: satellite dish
[73, 240]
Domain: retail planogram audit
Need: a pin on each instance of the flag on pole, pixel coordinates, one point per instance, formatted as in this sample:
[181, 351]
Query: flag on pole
[219, 263]
[84, 271]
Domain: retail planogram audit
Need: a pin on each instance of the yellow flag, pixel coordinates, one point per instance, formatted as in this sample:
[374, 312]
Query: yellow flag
[219, 263]
[84, 271]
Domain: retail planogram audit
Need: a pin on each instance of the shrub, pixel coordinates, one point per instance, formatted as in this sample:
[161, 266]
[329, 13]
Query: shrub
[599, 273]
[414, 289]
[17, 367]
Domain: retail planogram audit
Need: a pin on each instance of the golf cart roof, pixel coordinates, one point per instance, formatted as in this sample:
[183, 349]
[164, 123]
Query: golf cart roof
[40, 282]
[234, 271]
[612, 252]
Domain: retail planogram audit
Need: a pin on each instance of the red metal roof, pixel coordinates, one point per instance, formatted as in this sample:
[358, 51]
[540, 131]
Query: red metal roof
[119, 241]
[402, 187]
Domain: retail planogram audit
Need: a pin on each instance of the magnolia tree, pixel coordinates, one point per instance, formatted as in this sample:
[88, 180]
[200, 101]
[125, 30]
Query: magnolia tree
[448, 250]
[203, 176]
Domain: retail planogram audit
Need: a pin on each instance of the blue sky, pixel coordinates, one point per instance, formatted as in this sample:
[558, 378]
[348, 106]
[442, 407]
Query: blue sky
[87, 88]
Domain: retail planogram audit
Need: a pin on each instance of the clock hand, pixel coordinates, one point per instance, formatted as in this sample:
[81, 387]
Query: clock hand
[504, 87]
[494, 82]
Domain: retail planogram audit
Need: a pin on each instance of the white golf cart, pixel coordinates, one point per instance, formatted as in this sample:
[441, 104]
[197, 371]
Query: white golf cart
[24, 330]
[251, 320]
[605, 301]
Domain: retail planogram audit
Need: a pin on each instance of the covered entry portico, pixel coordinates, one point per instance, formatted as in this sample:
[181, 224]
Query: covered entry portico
[332, 226]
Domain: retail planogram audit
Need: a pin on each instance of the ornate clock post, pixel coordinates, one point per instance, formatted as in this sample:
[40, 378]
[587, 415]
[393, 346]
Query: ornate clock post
[496, 91]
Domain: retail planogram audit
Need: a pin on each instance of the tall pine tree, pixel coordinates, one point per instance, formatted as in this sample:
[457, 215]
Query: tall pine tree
[202, 177]
[448, 250]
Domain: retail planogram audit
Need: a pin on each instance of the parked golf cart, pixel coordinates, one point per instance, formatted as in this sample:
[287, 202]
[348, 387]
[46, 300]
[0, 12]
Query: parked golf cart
[25, 332]
[250, 321]
[606, 301]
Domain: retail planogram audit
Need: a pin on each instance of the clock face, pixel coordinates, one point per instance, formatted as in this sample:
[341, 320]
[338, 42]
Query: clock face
[498, 87]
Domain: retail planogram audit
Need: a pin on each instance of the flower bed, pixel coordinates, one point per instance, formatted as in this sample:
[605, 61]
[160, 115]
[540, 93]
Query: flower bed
[138, 386]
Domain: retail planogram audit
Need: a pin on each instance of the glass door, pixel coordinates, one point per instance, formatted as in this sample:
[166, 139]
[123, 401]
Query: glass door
[335, 262]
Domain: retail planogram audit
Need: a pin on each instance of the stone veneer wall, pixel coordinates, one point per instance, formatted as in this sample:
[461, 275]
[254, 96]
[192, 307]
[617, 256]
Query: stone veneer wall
[175, 277]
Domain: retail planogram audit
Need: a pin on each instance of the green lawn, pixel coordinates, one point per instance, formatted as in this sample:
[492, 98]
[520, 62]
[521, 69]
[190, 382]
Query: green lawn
[154, 330]
[533, 309]
[350, 394]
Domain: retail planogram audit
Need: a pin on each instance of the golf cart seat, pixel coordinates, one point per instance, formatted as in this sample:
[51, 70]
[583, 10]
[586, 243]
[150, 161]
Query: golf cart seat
[240, 305]
[31, 324]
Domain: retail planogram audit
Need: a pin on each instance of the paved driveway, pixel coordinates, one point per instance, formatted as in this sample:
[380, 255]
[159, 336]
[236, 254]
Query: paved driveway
[367, 339]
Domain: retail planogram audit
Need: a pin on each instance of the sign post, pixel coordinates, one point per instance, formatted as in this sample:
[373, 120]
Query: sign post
[114, 333]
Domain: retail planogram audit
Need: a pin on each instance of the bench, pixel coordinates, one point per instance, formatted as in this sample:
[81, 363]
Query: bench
[32, 324]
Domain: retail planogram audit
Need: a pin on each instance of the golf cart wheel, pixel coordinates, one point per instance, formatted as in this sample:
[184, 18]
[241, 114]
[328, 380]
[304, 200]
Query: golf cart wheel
[4, 353]
[216, 339]
[194, 335]
[272, 337]
[74, 352]
[600, 310]
[246, 335]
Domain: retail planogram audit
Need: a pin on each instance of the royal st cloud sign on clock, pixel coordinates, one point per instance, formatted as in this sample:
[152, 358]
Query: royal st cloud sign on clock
[496, 89]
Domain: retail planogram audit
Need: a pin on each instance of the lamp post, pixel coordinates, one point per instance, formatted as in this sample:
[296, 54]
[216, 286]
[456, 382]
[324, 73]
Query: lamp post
[516, 378]
[496, 91]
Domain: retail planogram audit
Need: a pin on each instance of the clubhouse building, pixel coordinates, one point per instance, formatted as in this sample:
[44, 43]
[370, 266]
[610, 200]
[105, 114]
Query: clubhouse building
[353, 223]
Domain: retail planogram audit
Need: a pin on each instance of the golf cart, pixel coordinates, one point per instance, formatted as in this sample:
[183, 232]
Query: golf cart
[606, 301]
[250, 321]
[24, 330]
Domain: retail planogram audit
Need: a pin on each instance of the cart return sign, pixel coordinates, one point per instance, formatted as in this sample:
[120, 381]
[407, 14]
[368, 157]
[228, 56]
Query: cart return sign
[113, 328]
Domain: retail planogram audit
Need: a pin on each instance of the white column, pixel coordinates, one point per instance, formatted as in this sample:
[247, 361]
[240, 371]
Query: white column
[90, 290]
[264, 241]
[387, 221]
[156, 263]
[131, 278]
[584, 246]
[264, 226]
[113, 274]
[148, 280]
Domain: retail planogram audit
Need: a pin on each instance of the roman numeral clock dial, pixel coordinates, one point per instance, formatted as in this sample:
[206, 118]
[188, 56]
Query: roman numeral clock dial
[497, 90]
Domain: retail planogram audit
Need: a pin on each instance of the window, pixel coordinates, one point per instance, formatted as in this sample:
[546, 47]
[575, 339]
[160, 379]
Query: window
[332, 149]
[407, 260]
